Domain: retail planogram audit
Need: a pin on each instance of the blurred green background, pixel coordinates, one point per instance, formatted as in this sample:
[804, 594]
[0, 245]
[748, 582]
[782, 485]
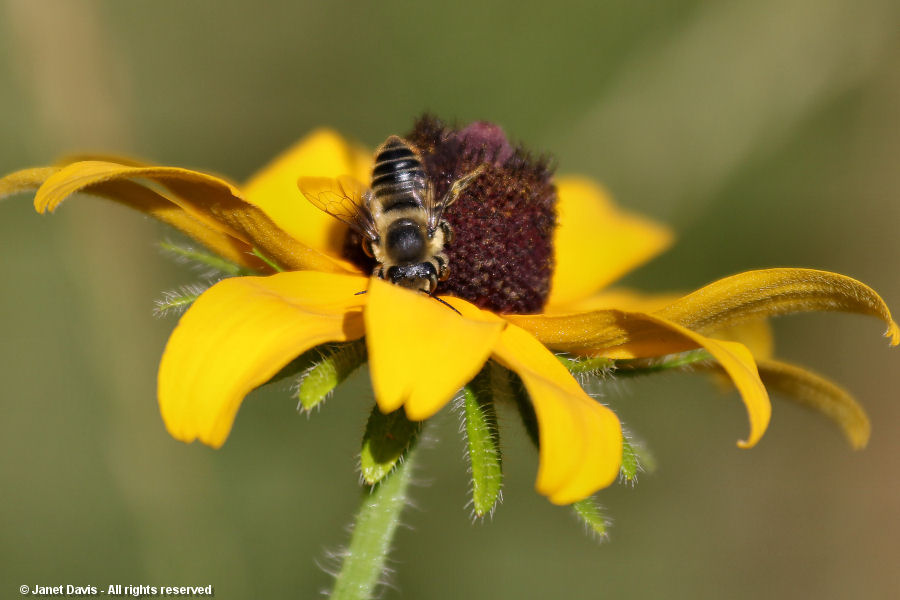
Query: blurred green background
[766, 132]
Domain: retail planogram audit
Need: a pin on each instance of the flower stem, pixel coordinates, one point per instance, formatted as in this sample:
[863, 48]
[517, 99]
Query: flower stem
[632, 367]
[376, 522]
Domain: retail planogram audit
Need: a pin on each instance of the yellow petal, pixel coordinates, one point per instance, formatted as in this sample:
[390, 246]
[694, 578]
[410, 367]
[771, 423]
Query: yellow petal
[160, 207]
[580, 439]
[611, 333]
[770, 292]
[595, 242]
[209, 200]
[119, 159]
[738, 363]
[624, 299]
[420, 351]
[25, 180]
[322, 153]
[151, 202]
[617, 334]
[816, 392]
[756, 334]
[239, 334]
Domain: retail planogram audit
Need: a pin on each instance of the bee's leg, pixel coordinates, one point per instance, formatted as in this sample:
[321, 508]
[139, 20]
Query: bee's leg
[448, 231]
[432, 282]
[376, 272]
[443, 269]
[459, 185]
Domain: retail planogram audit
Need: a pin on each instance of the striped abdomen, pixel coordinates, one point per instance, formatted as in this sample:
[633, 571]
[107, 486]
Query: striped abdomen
[398, 178]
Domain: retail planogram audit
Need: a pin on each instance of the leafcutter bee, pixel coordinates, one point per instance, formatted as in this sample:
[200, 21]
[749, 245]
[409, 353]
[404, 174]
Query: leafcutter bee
[400, 220]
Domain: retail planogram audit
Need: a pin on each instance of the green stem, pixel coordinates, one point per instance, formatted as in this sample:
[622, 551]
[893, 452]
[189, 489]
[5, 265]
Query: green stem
[630, 368]
[376, 522]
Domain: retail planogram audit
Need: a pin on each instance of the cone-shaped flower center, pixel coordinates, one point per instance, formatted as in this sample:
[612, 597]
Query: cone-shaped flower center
[501, 255]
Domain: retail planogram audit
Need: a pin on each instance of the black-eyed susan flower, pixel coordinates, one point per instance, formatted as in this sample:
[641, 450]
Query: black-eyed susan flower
[530, 265]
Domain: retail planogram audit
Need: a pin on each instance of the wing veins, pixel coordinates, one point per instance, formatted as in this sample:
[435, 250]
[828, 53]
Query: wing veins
[344, 198]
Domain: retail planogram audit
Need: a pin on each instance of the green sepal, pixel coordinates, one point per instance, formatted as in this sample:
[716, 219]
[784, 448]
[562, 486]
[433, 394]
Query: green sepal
[301, 364]
[636, 458]
[178, 301]
[275, 266]
[483, 441]
[207, 262]
[643, 458]
[590, 513]
[644, 366]
[336, 363]
[388, 438]
[631, 465]
[523, 403]
[587, 365]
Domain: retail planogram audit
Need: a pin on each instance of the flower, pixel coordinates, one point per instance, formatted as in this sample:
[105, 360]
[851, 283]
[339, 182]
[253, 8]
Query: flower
[243, 330]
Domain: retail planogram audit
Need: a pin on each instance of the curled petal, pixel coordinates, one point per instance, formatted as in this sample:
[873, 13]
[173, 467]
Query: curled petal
[25, 180]
[595, 242]
[159, 206]
[738, 363]
[580, 439]
[150, 202]
[756, 334]
[128, 161]
[212, 201]
[239, 334]
[617, 334]
[770, 292]
[816, 392]
[420, 351]
[623, 299]
[610, 333]
[322, 153]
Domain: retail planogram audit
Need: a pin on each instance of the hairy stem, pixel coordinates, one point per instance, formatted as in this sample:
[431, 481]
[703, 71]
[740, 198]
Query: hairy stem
[376, 522]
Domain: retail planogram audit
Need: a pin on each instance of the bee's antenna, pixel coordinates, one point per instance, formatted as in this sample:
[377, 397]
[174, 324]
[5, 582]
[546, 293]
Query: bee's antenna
[445, 303]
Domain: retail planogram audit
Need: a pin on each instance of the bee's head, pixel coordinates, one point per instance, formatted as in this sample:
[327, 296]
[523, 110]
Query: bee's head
[417, 276]
[405, 241]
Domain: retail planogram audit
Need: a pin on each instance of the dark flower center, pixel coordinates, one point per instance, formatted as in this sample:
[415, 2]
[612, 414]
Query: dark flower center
[501, 257]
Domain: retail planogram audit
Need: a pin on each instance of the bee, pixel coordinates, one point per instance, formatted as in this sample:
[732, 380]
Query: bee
[399, 219]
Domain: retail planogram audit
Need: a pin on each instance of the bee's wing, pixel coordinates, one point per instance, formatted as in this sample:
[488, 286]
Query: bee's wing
[344, 198]
[434, 208]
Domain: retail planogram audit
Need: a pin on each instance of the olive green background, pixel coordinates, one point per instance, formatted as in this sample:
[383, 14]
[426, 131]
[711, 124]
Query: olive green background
[766, 132]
